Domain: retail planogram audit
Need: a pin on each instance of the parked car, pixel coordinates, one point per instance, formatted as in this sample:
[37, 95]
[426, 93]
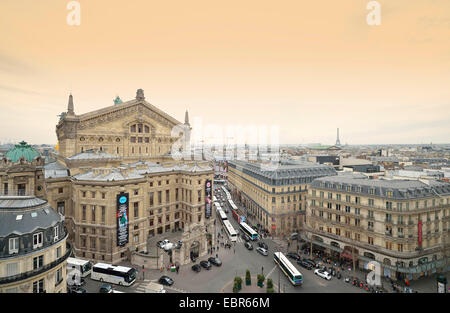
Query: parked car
[248, 245]
[347, 279]
[166, 280]
[293, 256]
[76, 289]
[312, 262]
[262, 251]
[263, 245]
[215, 261]
[196, 268]
[305, 264]
[205, 264]
[106, 288]
[159, 244]
[323, 274]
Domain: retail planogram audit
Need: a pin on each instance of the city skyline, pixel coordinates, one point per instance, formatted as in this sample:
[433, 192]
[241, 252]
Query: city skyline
[309, 71]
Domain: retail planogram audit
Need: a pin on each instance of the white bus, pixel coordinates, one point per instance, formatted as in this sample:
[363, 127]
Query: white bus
[84, 267]
[291, 272]
[232, 234]
[233, 206]
[226, 193]
[119, 275]
[222, 214]
[248, 231]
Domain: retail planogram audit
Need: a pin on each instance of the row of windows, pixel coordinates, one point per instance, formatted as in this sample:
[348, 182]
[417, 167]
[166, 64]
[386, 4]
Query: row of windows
[38, 241]
[389, 204]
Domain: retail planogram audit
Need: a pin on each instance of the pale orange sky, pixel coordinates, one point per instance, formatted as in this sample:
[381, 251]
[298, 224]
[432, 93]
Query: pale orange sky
[307, 66]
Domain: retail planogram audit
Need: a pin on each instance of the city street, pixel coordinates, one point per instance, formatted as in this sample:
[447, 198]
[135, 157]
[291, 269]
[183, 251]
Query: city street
[235, 263]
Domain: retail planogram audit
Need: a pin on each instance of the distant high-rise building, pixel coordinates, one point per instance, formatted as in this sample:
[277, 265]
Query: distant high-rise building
[338, 142]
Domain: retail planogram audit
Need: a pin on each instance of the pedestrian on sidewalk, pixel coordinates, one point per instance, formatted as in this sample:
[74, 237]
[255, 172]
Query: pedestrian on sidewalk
[177, 268]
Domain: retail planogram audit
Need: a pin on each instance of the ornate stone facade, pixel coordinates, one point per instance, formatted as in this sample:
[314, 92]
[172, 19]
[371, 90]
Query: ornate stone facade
[124, 149]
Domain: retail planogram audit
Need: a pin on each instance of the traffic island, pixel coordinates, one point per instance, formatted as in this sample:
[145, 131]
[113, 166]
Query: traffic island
[253, 288]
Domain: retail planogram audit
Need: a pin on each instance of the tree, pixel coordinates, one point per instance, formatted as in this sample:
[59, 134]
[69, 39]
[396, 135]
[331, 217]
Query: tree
[248, 278]
[238, 282]
[260, 280]
[269, 283]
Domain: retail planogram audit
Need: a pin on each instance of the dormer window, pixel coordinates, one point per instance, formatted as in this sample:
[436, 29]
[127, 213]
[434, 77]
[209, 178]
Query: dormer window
[139, 128]
[13, 245]
[37, 240]
[133, 128]
[147, 129]
[56, 233]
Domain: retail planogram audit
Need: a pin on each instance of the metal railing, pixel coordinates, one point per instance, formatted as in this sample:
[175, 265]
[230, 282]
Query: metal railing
[43, 269]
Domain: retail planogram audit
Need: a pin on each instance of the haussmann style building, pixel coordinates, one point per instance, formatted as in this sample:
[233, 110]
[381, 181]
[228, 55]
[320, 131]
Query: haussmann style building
[401, 224]
[275, 197]
[33, 247]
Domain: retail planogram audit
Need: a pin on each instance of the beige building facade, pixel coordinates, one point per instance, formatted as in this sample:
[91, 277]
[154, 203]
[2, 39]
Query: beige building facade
[403, 225]
[275, 199]
[124, 149]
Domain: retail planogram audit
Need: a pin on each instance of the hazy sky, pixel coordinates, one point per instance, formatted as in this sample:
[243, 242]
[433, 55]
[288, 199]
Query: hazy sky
[307, 66]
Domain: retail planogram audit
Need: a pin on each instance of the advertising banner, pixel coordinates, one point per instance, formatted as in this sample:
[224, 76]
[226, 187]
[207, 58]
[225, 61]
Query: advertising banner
[208, 196]
[419, 232]
[122, 218]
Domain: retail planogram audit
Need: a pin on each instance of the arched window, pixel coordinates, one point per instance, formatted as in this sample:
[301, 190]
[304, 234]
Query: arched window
[133, 128]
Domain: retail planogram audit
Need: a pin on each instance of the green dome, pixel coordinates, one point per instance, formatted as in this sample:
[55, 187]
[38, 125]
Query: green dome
[22, 150]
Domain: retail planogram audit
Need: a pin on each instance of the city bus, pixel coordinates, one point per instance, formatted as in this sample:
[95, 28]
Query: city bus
[226, 193]
[119, 275]
[82, 267]
[232, 234]
[248, 231]
[222, 214]
[291, 272]
[232, 205]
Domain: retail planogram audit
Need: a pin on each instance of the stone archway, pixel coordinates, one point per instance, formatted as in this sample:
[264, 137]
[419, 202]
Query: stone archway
[194, 250]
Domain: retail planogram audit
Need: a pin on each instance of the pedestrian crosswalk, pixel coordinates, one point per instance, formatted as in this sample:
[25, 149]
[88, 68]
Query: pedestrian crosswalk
[141, 287]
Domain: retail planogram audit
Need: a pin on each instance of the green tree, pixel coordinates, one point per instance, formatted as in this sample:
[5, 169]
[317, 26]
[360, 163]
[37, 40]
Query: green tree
[260, 280]
[238, 282]
[269, 284]
[248, 278]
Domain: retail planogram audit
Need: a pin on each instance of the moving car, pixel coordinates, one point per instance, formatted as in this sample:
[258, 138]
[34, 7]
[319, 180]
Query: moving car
[106, 288]
[196, 268]
[262, 251]
[305, 264]
[322, 274]
[293, 256]
[248, 245]
[245, 237]
[205, 264]
[166, 280]
[263, 245]
[215, 261]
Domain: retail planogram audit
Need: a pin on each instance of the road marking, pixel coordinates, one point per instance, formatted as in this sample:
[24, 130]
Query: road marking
[270, 273]
[176, 289]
